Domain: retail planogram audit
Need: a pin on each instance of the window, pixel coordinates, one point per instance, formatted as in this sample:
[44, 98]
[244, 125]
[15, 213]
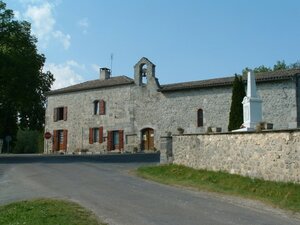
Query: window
[200, 118]
[60, 113]
[116, 137]
[99, 107]
[96, 135]
[96, 107]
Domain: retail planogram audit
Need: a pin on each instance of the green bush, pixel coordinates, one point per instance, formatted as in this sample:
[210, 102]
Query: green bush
[29, 141]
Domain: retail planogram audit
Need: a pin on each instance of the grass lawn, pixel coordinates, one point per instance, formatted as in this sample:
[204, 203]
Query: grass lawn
[46, 212]
[278, 194]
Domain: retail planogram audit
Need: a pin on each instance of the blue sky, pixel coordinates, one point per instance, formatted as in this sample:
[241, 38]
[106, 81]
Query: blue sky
[186, 39]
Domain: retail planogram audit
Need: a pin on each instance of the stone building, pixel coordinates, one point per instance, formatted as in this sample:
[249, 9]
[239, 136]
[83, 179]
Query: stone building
[118, 113]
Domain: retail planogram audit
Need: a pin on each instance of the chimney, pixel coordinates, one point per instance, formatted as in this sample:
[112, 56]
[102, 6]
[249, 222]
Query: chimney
[104, 73]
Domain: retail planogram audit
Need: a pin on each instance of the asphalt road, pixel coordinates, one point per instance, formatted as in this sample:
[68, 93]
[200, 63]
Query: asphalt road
[120, 198]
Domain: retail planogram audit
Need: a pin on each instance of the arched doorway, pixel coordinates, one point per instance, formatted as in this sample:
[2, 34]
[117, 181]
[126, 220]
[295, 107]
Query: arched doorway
[147, 139]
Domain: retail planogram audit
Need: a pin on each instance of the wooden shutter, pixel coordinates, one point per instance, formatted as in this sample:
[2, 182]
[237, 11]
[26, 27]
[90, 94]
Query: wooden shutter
[121, 140]
[100, 135]
[109, 140]
[55, 141]
[65, 113]
[65, 139]
[102, 107]
[55, 115]
[91, 136]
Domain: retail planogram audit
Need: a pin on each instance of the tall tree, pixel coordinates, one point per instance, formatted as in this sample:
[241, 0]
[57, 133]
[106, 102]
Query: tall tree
[280, 65]
[260, 69]
[236, 109]
[22, 83]
[295, 65]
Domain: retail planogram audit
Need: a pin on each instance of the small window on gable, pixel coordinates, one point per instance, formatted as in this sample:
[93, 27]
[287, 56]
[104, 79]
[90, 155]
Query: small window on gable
[60, 113]
[200, 118]
[96, 107]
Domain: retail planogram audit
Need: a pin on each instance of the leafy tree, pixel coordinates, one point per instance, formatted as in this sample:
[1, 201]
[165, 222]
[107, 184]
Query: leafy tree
[22, 83]
[295, 65]
[260, 69]
[280, 65]
[236, 109]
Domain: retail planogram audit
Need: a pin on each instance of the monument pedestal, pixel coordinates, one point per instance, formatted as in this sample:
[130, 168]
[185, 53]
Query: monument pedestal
[252, 106]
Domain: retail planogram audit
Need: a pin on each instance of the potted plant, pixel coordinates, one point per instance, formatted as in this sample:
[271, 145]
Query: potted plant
[180, 130]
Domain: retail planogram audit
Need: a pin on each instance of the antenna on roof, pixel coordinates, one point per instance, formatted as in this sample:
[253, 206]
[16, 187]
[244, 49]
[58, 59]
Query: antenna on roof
[111, 62]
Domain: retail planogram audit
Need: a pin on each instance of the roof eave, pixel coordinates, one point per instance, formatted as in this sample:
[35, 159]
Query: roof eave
[259, 80]
[57, 92]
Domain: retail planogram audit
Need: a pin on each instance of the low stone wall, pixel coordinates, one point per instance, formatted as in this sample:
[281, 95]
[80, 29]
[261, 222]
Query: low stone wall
[166, 155]
[271, 155]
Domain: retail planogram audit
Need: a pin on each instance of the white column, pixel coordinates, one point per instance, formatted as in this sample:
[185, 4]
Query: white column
[252, 105]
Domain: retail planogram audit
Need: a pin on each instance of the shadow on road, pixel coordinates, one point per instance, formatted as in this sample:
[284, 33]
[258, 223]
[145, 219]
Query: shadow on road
[109, 158]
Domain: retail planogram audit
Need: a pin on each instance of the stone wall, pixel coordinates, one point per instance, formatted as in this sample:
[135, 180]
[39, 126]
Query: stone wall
[166, 155]
[279, 105]
[165, 112]
[298, 100]
[133, 108]
[81, 116]
[269, 155]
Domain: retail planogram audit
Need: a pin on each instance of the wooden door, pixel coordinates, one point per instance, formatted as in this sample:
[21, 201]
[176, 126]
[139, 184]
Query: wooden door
[148, 139]
[115, 140]
[60, 140]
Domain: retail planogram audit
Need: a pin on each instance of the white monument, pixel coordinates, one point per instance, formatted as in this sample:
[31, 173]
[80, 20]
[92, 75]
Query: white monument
[252, 105]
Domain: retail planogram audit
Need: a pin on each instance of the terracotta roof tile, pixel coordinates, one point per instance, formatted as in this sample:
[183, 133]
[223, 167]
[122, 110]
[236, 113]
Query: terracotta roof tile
[94, 84]
[225, 81]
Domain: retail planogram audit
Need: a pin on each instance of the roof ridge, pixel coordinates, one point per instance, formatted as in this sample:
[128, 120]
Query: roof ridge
[260, 77]
[94, 84]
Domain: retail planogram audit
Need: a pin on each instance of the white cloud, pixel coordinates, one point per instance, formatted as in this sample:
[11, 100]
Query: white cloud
[95, 67]
[65, 39]
[73, 63]
[65, 73]
[40, 14]
[31, 1]
[84, 25]
[17, 15]
[42, 19]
